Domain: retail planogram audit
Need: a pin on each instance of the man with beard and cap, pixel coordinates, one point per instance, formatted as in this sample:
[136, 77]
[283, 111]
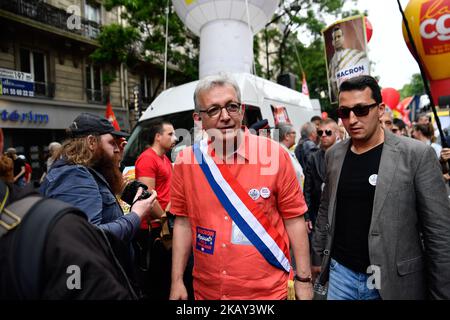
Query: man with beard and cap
[87, 176]
[37, 250]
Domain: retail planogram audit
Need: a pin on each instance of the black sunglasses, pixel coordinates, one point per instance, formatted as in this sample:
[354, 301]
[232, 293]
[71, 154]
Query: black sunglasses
[358, 110]
[327, 132]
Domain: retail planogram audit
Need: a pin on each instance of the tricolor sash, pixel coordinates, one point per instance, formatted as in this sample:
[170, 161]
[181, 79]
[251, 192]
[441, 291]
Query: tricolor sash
[245, 213]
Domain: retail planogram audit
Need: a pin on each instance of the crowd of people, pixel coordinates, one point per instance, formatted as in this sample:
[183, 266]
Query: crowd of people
[358, 207]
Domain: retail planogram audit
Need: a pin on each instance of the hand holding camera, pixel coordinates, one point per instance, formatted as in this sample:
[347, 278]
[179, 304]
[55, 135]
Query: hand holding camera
[139, 198]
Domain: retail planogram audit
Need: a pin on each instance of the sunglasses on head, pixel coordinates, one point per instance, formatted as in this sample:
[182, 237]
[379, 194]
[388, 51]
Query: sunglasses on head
[358, 110]
[327, 132]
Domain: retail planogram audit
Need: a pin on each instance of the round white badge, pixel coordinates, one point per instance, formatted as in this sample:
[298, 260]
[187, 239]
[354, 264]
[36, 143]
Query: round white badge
[254, 194]
[265, 192]
[373, 179]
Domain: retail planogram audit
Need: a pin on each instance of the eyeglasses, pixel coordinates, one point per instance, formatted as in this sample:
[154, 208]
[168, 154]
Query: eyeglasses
[233, 108]
[327, 132]
[358, 110]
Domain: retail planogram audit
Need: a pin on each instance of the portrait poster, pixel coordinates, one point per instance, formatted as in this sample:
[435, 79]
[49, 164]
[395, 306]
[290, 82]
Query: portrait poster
[345, 52]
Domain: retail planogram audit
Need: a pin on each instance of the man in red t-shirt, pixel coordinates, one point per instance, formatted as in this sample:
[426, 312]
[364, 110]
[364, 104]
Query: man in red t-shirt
[154, 169]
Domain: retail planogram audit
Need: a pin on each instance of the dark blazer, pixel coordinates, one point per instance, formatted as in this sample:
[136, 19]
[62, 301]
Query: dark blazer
[409, 236]
[314, 178]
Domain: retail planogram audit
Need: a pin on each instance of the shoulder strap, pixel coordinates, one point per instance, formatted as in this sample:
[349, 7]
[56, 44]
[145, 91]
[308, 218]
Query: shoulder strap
[38, 216]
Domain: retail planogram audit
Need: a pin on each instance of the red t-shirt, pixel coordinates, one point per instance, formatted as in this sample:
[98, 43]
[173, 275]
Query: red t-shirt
[151, 165]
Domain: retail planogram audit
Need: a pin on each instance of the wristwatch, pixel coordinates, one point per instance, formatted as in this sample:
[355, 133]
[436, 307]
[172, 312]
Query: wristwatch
[300, 279]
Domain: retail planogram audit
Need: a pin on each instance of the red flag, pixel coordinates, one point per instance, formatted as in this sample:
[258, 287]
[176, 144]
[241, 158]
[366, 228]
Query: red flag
[109, 114]
[305, 90]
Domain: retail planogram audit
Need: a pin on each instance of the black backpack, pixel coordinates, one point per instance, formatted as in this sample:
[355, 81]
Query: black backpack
[30, 218]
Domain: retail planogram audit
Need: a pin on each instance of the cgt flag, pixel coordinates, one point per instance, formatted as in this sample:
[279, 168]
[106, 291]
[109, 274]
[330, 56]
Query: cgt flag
[109, 114]
[305, 90]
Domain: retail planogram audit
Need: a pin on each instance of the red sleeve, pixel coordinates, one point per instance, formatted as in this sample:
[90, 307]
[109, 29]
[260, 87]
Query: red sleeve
[177, 192]
[291, 202]
[145, 166]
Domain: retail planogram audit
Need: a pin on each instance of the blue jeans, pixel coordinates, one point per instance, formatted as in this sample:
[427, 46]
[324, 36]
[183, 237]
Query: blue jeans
[345, 284]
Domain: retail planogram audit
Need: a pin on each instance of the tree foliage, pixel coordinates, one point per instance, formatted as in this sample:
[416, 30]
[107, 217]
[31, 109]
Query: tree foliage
[415, 87]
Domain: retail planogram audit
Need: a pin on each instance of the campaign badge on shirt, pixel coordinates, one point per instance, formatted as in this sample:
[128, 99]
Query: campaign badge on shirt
[254, 194]
[205, 239]
[373, 179]
[265, 192]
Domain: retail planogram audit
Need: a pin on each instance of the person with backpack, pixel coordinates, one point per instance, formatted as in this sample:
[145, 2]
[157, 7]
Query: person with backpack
[49, 250]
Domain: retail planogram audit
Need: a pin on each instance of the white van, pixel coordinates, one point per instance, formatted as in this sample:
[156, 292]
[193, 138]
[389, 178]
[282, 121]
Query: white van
[263, 99]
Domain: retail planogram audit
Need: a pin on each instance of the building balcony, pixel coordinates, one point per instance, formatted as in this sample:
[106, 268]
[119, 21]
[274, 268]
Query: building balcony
[49, 15]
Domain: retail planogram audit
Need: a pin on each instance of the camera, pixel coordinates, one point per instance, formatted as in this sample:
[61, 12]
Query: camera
[129, 193]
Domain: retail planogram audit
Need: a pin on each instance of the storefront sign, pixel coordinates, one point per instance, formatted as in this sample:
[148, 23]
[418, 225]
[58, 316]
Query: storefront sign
[21, 117]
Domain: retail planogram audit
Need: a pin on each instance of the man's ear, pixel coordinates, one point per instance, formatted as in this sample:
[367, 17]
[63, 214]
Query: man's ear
[381, 110]
[157, 136]
[92, 142]
[196, 116]
[243, 109]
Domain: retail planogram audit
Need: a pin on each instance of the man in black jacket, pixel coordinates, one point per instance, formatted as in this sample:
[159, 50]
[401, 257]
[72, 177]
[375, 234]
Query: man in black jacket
[307, 143]
[315, 169]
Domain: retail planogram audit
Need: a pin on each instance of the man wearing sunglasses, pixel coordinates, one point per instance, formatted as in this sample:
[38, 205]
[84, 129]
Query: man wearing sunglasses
[315, 169]
[383, 226]
[219, 191]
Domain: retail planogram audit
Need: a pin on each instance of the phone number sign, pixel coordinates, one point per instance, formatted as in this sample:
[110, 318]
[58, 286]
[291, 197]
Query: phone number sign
[10, 87]
[16, 83]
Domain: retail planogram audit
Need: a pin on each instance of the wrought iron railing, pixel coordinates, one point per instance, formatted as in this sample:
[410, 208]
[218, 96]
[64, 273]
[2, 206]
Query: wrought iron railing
[50, 15]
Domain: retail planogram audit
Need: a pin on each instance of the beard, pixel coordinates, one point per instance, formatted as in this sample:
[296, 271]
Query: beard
[108, 167]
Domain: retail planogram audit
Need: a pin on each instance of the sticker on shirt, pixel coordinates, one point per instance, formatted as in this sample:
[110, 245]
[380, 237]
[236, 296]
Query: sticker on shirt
[238, 237]
[265, 192]
[204, 240]
[373, 179]
[254, 194]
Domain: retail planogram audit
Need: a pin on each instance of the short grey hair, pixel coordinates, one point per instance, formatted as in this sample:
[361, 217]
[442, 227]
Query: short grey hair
[307, 129]
[217, 80]
[283, 130]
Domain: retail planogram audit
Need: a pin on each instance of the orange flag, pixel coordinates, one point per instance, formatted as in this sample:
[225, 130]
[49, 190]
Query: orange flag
[305, 90]
[109, 114]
